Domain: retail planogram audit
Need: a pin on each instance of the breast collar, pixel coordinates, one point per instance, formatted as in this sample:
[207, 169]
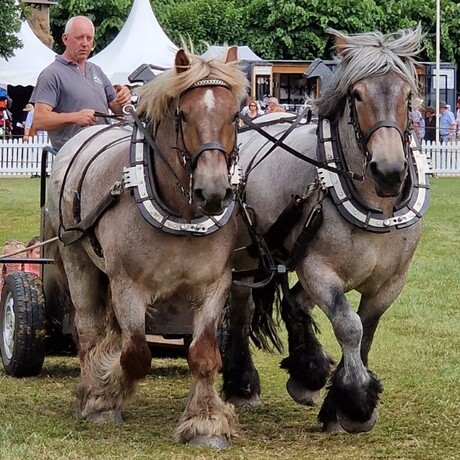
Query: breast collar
[140, 178]
[413, 201]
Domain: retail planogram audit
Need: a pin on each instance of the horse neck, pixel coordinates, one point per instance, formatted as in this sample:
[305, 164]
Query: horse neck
[167, 182]
[355, 161]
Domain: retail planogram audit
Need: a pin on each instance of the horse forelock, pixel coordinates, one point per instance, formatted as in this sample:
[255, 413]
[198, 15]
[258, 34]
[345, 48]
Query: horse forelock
[156, 98]
[370, 54]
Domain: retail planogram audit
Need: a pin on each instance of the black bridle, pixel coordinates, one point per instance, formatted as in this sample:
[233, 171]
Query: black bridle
[363, 138]
[190, 160]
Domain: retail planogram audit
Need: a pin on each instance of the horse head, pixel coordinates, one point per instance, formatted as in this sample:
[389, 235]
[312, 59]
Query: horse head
[192, 109]
[207, 120]
[376, 82]
[380, 112]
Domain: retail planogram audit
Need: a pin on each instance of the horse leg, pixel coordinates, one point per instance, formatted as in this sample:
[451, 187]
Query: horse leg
[207, 421]
[351, 402]
[124, 358]
[88, 288]
[113, 367]
[241, 385]
[308, 365]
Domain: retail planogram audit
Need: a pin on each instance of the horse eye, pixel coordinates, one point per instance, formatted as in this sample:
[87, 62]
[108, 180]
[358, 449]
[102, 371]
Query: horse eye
[183, 117]
[357, 96]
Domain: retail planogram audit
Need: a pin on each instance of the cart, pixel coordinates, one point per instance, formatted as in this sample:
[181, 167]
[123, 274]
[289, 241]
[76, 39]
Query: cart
[36, 312]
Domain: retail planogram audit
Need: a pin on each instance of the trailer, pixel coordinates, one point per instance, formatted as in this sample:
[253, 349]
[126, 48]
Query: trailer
[37, 315]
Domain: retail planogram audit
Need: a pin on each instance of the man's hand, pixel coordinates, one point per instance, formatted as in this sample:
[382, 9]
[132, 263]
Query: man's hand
[85, 117]
[123, 95]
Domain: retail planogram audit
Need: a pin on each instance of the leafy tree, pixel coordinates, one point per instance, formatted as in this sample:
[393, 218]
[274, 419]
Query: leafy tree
[9, 26]
[295, 29]
[202, 21]
[108, 16]
[409, 13]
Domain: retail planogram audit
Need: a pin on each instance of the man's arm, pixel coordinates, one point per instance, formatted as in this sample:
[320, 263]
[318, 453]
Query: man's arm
[47, 120]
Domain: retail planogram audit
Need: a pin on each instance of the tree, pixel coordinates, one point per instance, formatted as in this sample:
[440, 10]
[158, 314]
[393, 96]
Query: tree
[202, 22]
[9, 26]
[409, 13]
[108, 15]
[295, 29]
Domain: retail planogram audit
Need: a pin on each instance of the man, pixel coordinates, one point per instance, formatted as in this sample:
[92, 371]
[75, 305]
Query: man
[447, 123]
[70, 90]
[273, 105]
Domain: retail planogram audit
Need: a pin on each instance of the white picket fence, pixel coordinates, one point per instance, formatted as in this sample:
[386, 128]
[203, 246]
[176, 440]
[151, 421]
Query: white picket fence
[19, 158]
[445, 157]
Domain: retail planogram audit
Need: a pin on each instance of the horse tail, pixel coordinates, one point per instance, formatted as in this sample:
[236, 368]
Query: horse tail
[265, 320]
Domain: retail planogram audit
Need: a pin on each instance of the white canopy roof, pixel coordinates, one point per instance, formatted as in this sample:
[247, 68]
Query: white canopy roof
[244, 53]
[140, 41]
[23, 68]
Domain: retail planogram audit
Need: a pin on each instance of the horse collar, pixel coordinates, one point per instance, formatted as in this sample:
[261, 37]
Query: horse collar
[140, 178]
[408, 210]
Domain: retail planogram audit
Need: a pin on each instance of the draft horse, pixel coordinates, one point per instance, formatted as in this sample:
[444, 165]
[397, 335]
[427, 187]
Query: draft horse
[145, 217]
[351, 221]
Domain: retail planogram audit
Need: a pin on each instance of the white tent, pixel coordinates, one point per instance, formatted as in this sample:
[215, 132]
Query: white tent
[23, 68]
[140, 41]
[244, 53]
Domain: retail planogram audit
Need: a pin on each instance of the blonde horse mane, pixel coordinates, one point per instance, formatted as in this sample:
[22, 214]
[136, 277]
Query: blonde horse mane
[156, 97]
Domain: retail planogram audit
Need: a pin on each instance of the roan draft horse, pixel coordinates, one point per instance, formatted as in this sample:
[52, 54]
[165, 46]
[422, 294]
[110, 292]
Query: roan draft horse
[145, 216]
[351, 222]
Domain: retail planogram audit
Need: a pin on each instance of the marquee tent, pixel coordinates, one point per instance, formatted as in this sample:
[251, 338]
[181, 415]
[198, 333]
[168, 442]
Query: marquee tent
[23, 68]
[140, 41]
[244, 53]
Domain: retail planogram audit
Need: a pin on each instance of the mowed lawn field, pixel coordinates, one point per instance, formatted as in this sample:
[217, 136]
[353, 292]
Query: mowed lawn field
[416, 353]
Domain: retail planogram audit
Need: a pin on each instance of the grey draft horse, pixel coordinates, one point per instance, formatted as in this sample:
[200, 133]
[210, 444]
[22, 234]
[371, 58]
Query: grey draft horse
[356, 226]
[149, 222]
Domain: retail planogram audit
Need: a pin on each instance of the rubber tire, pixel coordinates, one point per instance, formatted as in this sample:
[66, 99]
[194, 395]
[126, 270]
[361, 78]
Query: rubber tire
[22, 295]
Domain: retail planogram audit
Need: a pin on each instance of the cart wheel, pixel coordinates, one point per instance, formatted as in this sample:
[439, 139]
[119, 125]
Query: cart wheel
[22, 325]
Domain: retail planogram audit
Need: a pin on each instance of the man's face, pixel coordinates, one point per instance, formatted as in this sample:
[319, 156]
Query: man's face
[271, 105]
[79, 41]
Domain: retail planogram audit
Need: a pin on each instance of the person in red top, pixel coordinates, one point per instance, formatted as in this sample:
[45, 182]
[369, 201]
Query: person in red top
[33, 253]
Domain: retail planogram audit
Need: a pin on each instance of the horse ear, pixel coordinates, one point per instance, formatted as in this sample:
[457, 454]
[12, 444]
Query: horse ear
[232, 54]
[340, 44]
[182, 62]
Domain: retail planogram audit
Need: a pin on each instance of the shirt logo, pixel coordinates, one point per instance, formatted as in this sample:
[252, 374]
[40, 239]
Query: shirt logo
[97, 80]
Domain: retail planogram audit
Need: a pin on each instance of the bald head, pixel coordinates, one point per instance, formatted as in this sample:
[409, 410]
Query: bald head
[76, 22]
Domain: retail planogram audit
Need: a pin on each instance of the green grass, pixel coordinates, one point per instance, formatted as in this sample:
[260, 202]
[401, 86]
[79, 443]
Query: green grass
[416, 353]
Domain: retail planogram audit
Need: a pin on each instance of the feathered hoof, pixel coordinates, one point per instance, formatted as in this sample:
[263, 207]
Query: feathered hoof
[333, 427]
[240, 402]
[352, 426]
[302, 395]
[213, 442]
[107, 416]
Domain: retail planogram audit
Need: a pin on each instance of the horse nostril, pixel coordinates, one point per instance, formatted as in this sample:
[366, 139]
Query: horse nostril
[374, 169]
[198, 195]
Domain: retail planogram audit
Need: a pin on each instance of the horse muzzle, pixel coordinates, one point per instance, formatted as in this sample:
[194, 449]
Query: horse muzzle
[388, 177]
[213, 200]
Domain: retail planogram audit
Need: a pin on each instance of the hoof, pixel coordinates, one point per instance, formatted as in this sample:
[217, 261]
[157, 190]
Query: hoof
[105, 417]
[352, 426]
[300, 394]
[238, 401]
[214, 442]
[333, 427]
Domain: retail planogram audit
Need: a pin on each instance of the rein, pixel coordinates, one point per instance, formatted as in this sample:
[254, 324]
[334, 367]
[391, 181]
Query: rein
[258, 127]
